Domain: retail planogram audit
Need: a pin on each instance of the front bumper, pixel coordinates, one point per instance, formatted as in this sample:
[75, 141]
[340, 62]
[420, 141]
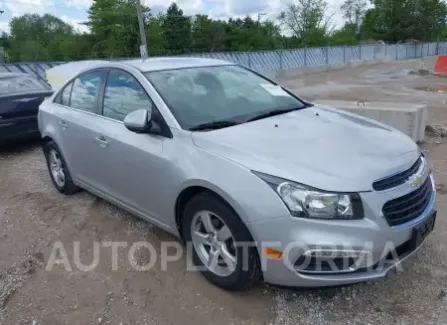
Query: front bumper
[371, 235]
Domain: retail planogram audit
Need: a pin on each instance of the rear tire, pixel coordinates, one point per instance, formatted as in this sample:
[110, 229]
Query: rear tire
[229, 270]
[58, 169]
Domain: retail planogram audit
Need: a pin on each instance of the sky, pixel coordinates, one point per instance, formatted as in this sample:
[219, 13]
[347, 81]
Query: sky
[74, 12]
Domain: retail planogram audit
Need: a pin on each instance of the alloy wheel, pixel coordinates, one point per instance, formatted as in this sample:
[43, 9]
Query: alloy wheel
[214, 243]
[57, 168]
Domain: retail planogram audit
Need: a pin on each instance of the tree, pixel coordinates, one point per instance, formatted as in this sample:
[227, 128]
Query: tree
[431, 19]
[176, 29]
[247, 34]
[315, 37]
[5, 45]
[72, 48]
[156, 42]
[344, 36]
[396, 20]
[368, 27]
[32, 36]
[354, 11]
[115, 29]
[306, 18]
[271, 35]
[207, 34]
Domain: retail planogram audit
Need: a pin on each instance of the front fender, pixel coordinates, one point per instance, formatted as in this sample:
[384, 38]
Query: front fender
[251, 198]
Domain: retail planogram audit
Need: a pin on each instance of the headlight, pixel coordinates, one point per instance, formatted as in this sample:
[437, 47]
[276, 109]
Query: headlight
[306, 202]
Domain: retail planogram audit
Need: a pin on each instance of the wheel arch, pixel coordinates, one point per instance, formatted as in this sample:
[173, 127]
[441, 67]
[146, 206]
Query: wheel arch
[192, 190]
[48, 138]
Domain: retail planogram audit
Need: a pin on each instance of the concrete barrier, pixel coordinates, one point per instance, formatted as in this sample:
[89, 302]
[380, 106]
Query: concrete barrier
[408, 118]
[288, 74]
[428, 63]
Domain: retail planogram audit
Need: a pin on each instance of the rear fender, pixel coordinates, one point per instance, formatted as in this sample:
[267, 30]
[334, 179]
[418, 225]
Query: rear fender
[48, 128]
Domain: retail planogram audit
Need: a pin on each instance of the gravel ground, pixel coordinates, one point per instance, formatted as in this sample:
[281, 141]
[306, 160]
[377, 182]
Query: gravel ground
[34, 216]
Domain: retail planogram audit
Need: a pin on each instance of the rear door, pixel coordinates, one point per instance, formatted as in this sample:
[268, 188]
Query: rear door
[77, 114]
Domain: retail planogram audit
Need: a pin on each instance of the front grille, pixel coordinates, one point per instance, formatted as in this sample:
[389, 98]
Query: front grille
[398, 179]
[410, 206]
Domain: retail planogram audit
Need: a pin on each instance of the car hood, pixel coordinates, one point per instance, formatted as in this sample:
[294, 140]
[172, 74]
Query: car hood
[318, 146]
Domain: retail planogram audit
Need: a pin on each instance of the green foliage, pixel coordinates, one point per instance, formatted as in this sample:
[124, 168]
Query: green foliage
[431, 18]
[32, 36]
[5, 46]
[156, 42]
[176, 29]
[345, 36]
[247, 34]
[114, 30]
[315, 37]
[368, 27]
[397, 20]
[354, 12]
[307, 21]
[114, 27]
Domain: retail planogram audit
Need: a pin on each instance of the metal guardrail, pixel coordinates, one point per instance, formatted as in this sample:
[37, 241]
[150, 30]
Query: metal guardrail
[274, 61]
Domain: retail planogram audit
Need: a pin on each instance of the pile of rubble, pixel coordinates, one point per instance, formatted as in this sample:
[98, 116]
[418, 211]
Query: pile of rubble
[436, 130]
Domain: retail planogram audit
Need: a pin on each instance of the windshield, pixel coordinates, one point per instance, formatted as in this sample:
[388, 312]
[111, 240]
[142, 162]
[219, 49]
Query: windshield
[198, 96]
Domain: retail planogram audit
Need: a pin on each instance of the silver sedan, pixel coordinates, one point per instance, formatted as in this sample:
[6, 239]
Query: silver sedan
[260, 182]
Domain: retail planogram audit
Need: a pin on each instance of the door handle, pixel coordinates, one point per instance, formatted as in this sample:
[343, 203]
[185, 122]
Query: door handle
[63, 124]
[102, 141]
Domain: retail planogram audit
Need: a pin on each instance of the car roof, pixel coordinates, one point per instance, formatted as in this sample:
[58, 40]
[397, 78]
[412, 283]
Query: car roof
[60, 74]
[167, 63]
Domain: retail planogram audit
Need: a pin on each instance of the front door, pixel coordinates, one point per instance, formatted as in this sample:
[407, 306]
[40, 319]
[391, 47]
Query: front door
[132, 165]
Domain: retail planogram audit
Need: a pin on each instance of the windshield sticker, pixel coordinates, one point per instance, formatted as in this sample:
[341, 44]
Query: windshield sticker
[275, 90]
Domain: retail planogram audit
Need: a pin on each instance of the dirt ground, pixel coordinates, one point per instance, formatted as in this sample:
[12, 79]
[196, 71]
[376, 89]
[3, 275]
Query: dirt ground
[34, 216]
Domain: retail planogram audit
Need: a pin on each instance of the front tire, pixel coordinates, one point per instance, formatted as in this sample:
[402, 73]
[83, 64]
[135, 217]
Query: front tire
[58, 169]
[217, 237]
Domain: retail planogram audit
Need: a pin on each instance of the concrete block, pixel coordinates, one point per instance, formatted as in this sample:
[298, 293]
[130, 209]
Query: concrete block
[408, 118]
[428, 63]
[288, 74]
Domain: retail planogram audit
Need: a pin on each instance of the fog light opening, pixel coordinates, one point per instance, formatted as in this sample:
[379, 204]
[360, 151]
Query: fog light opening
[327, 261]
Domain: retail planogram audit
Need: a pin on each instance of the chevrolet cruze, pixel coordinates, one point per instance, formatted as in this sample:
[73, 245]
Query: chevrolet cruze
[258, 182]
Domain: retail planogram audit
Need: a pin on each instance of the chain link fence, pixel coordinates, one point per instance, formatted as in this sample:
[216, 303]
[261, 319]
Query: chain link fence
[278, 60]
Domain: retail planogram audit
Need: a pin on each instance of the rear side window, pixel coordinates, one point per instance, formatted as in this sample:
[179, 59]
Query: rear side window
[123, 95]
[85, 90]
[63, 97]
[19, 84]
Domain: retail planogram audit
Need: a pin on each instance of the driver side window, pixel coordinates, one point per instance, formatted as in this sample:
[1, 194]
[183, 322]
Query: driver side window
[123, 95]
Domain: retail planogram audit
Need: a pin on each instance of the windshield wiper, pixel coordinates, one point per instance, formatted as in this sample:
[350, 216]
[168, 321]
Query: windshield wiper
[275, 112]
[213, 125]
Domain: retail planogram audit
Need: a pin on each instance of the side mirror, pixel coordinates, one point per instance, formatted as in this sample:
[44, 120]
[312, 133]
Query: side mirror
[138, 121]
